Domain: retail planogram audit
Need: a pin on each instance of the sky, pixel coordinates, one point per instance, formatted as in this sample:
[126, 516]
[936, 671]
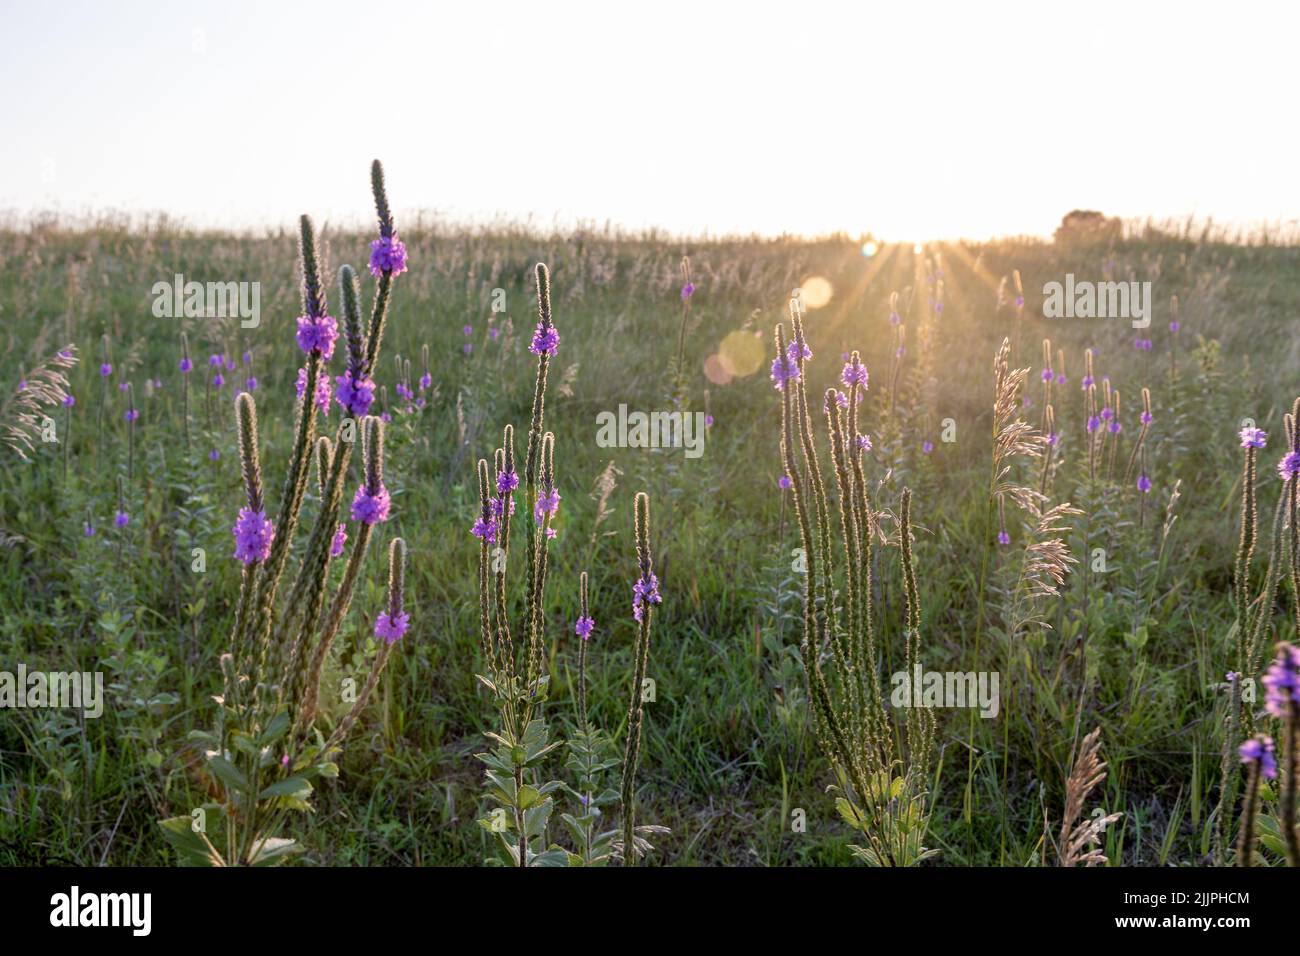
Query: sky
[908, 121]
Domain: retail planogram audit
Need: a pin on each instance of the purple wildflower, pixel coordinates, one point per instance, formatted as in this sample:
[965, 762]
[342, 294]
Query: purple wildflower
[1115, 427]
[1289, 465]
[1003, 537]
[793, 351]
[583, 627]
[323, 389]
[392, 628]
[254, 533]
[1146, 418]
[426, 380]
[927, 446]
[1060, 378]
[1259, 749]
[214, 455]
[645, 591]
[507, 481]
[317, 334]
[218, 380]
[355, 395]
[368, 508]
[1282, 681]
[132, 414]
[1093, 423]
[688, 290]
[855, 373]
[121, 519]
[340, 539]
[1047, 375]
[69, 400]
[1253, 437]
[1175, 325]
[250, 384]
[186, 366]
[863, 442]
[485, 528]
[216, 361]
[548, 504]
[88, 529]
[1086, 383]
[387, 254]
[784, 482]
[106, 369]
[894, 318]
[1143, 484]
[783, 371]
[546, 340]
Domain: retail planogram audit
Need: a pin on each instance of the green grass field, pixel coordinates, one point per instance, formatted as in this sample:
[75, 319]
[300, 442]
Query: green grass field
[729, 753]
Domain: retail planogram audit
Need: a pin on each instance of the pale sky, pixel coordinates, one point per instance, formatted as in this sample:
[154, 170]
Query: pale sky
[911, 121]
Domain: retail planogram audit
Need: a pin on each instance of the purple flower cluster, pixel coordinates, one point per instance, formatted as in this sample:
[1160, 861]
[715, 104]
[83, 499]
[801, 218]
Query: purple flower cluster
[645, 591]
[387, 254]
[784, 482]
[339, 540]
[1289, 466]
[1143, 484]
[254, 533]
[546, 340]
[355, 395]
[186, 366]
[322, 389]
[548, 504]
[390, 627]
[855, 373]
[368, 508]
[1282, 681]
[1142, 345]
[1253, 437]
[688, 290]
[1259, 750]
[583, 627]
[784, 370]
[485, 528]
[318, 334]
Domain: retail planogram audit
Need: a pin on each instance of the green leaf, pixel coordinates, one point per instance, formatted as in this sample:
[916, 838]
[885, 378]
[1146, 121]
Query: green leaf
[289, 787]
[228, 774]
[275, 851]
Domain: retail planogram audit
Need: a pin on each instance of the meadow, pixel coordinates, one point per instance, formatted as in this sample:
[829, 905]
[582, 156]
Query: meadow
[1119, 613]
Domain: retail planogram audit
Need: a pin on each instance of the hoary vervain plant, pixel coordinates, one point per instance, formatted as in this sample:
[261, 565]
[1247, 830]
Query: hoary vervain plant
[266, 749]
[883, 782]
[515, 658]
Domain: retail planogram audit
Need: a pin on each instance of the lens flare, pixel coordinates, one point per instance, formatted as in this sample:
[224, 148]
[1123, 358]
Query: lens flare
[716, 371]
[740, 354]
[816, 292]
